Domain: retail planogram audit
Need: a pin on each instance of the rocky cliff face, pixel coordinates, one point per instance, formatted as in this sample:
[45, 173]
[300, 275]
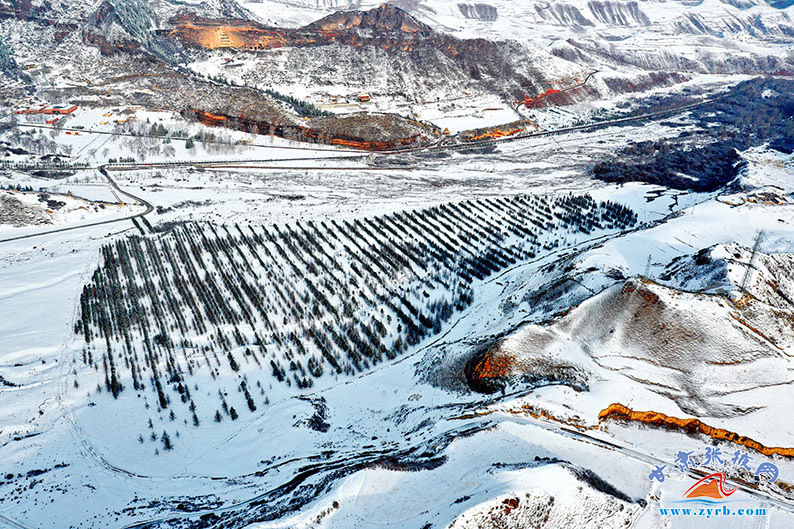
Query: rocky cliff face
[110, 25]
[485, 12]
[384, 44]
[618, 13]
[386, 27]
[119, 25]
[28, 10]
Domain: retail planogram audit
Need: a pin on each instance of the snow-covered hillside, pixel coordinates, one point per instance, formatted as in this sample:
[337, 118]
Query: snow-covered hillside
[711, 36]
[676, 342]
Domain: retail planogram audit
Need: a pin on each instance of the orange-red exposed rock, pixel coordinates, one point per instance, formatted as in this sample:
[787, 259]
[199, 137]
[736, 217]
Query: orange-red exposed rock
[692, 426]
[492, 365]
[510, 504]
[358, 132]
[535, 413]
[213, 33]
[494, 134]
[386, 27]
[343, 27]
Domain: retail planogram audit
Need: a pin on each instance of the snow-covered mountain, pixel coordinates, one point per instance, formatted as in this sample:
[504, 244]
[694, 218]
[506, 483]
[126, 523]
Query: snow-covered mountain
[674, 35]
[676, 339]
[415, 58]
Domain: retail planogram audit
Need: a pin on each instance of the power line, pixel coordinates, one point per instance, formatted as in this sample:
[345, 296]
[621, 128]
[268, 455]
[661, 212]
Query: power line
[748, 272]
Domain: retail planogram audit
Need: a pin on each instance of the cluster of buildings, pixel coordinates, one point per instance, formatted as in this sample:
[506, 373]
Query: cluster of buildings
[44, 109]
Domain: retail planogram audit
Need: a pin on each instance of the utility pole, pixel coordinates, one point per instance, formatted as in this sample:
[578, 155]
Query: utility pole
[750, 264]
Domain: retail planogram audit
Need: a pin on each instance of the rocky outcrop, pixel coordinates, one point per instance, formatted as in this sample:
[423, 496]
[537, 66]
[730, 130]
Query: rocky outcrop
[120, 25]
[485, 12]
[618, 13]
[385, 37]
[20, 9]
[25, 10]
[386, 27]
[618, 412]
[363, 131]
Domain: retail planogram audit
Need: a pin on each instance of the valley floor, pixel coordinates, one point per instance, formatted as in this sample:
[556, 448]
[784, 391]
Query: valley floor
[406, 443]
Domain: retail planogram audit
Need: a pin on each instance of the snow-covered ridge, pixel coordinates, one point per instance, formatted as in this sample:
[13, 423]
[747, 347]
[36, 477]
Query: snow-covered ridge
[666, 340]
[658, 35]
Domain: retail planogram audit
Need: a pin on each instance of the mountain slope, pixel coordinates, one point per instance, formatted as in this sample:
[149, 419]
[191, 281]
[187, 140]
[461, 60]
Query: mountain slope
[384, 49]
[710, 36]
[683, 346]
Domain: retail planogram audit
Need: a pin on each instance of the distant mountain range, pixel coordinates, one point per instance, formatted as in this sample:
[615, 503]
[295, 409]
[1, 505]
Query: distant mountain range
[406, 53]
